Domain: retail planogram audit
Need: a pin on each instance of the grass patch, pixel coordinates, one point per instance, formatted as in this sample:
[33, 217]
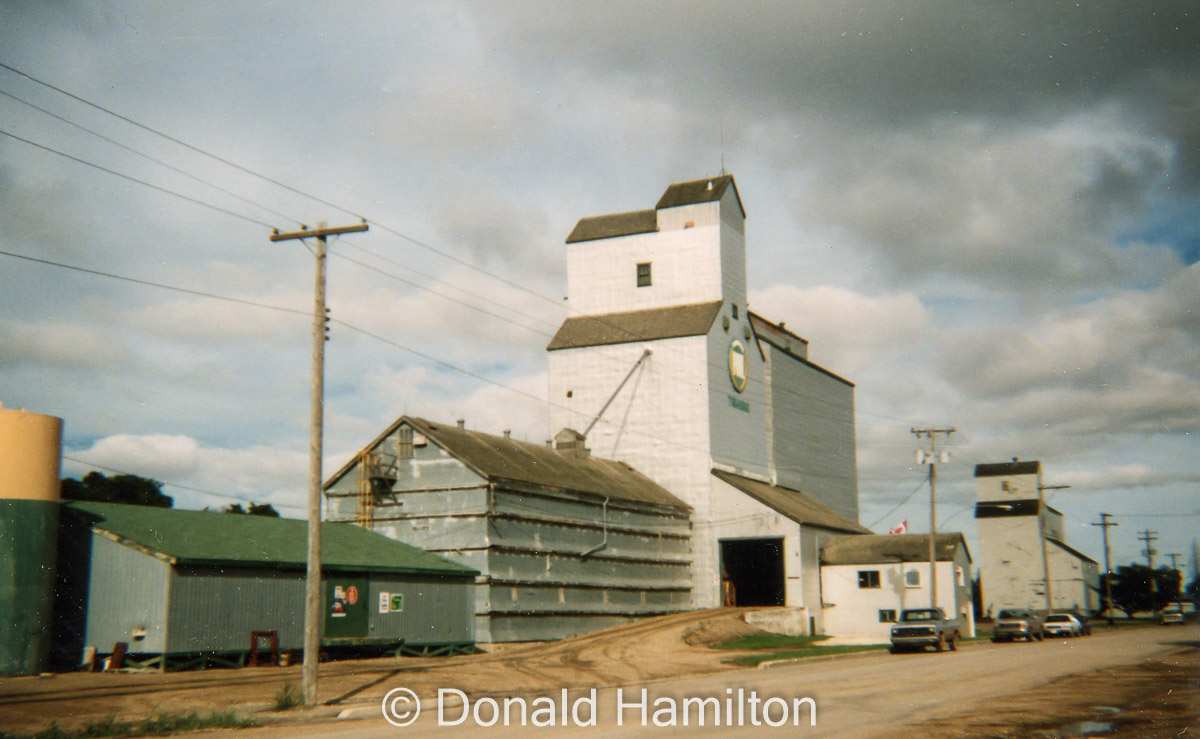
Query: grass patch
[769, 641]
[287, 698]
[156, 725]
[753, 660]
[781, 646]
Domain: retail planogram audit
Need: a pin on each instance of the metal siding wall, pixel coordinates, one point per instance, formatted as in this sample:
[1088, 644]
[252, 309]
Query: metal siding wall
[127, 589]
[436, 610]
[535, 628]
[813, 433]
[28, 553]
[214, 610]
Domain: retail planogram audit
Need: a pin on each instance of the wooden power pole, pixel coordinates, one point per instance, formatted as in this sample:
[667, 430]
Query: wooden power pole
[1045, 549]
[1105, 523]
[312, 582]
[932, 459]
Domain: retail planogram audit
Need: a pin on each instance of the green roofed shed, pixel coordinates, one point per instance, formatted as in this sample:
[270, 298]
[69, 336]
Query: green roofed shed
[175, 585]
[208, 539]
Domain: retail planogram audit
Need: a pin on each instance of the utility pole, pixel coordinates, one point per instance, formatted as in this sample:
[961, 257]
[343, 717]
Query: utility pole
[932, 459]
[1105, 523]
[1174, 557]
[312, 582]
[1149, 537]
[1045, 550]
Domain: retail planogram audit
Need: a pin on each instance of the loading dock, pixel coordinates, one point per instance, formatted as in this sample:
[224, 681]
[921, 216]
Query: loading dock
[753, 569]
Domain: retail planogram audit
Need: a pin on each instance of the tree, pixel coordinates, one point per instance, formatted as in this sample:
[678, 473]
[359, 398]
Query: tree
[1131, 587]
[131, 489]
[256, 509]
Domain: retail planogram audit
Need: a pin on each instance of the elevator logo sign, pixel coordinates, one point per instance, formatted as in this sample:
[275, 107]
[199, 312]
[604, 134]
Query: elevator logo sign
[737, 365]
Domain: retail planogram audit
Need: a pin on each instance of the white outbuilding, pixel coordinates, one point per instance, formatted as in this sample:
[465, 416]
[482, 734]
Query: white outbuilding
[867, 580]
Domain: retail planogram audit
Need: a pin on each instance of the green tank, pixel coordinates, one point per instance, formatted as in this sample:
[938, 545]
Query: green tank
[28, 553]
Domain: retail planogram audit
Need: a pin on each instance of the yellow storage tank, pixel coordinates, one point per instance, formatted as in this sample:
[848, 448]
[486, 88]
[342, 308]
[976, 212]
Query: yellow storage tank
[30, 459]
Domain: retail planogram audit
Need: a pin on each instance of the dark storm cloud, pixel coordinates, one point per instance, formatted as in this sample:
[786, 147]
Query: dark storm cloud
[885, 62]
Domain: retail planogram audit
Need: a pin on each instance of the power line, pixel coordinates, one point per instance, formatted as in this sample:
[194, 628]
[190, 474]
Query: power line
[134, 179]
[382, 226]
[143, 155]
[901, 504]
[381, 339]
[93, 465]
[149, 283]
[174, 140]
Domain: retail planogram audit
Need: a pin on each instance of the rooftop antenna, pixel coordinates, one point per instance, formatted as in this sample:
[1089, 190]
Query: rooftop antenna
[722, 146]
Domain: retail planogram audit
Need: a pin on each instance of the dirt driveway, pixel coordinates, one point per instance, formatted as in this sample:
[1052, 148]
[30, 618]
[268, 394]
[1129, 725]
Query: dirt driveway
[634, 652]
[1156, 697]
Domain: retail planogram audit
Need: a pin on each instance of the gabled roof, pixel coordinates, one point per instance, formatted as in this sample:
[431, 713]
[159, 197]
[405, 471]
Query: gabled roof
[500, 459]
[886, 548]
[613, 225]
[211, 539]
[776, 335]
[1070, 550]
[787, 342]
[633, 326]
[793, 504]
[707, 190]
[1003, 469]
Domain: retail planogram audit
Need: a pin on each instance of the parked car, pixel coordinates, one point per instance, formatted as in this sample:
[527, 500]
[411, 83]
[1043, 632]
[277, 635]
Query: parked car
[1018, 623]
[1172, 614]
[924, 627]
[1065, 624]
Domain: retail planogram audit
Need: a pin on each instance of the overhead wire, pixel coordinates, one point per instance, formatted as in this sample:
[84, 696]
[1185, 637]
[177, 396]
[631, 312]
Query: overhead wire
[382, 226]
[378, 224]
[93, 465]
[151, 185]
[175, 140]
[147, 157]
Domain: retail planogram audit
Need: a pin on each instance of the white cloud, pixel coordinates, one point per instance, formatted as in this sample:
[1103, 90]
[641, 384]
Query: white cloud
[846, 330]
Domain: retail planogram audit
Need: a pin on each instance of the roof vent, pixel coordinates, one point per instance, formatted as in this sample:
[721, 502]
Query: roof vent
[462, 423]
[708, 186]
[508, 433]
[570, 442]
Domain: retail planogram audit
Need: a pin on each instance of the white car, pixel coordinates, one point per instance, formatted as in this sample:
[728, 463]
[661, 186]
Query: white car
[1172, 614]
[1064, 624]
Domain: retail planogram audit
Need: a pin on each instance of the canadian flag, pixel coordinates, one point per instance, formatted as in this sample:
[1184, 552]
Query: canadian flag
[899, 528]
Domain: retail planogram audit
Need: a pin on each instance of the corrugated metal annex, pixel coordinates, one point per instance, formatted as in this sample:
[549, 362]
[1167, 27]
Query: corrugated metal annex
[173, 582]
[566, 542]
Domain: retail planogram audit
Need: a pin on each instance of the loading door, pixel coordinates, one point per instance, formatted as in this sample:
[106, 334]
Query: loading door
[752, 572]
[345, 607]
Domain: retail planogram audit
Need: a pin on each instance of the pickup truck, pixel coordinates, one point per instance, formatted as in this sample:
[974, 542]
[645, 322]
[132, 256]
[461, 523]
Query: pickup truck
[924, 627]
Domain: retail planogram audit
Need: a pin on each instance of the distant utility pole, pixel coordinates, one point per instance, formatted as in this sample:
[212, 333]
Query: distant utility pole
[312, 582]
[1174, 557]
[1105, 523]
[1149, 537]
[1045, 550]
[932, 459]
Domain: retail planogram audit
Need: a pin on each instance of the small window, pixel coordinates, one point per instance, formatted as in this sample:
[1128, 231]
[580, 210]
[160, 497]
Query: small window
[643, 274]
[868, 578]
[912, 578]
[958, 576]
[887, 616]
[735, 311]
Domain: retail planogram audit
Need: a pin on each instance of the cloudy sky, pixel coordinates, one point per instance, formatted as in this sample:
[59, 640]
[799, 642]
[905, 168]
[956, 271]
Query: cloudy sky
[983, 214]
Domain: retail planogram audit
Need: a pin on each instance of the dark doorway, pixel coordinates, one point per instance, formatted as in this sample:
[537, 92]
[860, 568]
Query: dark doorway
[752, 572]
